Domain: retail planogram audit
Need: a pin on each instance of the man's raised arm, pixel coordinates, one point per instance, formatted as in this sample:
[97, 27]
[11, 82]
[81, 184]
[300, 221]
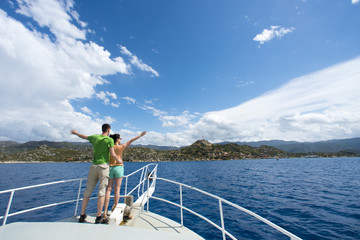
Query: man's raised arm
[75, 132]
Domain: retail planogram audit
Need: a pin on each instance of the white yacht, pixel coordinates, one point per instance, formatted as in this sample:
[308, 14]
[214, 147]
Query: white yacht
[129, 220]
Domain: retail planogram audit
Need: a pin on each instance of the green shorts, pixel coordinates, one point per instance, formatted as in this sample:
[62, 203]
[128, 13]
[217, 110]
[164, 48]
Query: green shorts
[116, 172]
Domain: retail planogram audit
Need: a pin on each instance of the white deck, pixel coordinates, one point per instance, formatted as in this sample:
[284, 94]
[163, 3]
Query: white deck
[141, 224]
[70, 230]
[155, 222]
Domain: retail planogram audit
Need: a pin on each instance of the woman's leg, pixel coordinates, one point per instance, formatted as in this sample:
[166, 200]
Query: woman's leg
[117, 190]
[107, 194]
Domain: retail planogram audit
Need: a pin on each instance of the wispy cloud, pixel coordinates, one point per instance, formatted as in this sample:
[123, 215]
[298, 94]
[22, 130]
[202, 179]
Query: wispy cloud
[355, 1]
[129, 100]
[87, 111]
[242, 83]
[115, 105]
[274, 31]
[181, 120]
[138, 62]
[319, 106]
[104, 96]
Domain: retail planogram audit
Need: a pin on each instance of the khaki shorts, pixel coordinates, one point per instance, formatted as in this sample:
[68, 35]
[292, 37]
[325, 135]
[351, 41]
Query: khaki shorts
[97, 173]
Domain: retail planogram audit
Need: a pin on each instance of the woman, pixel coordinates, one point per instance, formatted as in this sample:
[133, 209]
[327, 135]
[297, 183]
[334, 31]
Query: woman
[117, 170]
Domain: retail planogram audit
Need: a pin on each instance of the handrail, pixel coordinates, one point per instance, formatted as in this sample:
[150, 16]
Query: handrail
[142, 179]
[195, 213]
[12, 191]
[145, 178]
[41, 185]
[221, 200]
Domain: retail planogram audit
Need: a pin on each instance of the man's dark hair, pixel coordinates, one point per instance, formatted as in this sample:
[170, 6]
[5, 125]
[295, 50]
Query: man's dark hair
[105, 127]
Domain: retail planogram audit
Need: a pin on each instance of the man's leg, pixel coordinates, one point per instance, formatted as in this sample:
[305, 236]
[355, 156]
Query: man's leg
[107, 195]
[103, 174]
[84, 204]
[100, 205]
[90, 185]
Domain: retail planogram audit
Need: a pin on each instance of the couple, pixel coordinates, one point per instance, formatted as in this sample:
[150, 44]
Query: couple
[106, 149]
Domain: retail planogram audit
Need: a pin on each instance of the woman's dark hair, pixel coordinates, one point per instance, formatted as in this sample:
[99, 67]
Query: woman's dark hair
[115, 136]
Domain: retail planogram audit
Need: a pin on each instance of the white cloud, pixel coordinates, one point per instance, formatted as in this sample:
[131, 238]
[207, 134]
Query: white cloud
[138, 62]
[151, 101]
[182, 120]
[42, 74]
[112, 95]
[319, 106]
[128, 125]
[175, 121]
[52, 15]
[323, 105]
[129, 100]
[153, 110]
[355, 1]
[242, 83]
[104, 96]
[115, 105]
[274, 31]
[87, 111]
[107, 119]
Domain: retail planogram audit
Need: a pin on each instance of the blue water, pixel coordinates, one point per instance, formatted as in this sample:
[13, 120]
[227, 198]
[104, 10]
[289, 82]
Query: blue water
[315, 198]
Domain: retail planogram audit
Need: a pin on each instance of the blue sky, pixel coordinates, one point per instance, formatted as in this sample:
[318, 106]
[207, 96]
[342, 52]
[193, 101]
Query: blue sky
[181, 70]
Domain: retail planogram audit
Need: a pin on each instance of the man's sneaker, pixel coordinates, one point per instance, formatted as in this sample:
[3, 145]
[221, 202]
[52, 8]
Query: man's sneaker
[102, 220]
[82, 218]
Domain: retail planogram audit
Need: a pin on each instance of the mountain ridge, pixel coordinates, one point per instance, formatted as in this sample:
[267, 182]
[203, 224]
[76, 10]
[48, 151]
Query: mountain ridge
[329, 146]
[47, 151]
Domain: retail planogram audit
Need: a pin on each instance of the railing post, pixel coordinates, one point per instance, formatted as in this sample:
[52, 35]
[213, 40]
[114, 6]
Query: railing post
[78, 197]
[126, 180]
[222, 219]
[140, 182]
[144, 178]
[8, 207]
[147, 196]
[181, 207]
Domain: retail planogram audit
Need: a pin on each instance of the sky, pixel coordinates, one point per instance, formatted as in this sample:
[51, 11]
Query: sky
[220, 70]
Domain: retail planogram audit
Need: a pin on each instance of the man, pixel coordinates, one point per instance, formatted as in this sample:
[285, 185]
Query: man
[99, 170]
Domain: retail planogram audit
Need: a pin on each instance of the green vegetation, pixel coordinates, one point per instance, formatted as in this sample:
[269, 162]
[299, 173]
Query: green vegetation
[198, 151]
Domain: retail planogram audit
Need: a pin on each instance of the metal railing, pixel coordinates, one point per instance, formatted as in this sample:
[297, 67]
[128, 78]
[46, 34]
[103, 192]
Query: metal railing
[145, 173]
[148, 174]
[12, 191]
[140, 186]
[221, 201]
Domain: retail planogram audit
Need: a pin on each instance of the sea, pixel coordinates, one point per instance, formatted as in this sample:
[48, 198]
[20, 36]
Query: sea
[313, 198]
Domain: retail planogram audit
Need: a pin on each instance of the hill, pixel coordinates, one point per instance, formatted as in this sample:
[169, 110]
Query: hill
[331, 146]
[199, 150]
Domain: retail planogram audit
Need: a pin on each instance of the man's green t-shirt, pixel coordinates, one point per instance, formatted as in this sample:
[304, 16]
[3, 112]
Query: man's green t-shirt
[101, 146]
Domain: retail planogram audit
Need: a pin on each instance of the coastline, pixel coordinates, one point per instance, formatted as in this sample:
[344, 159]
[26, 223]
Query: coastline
[7, 162]
[203, 160]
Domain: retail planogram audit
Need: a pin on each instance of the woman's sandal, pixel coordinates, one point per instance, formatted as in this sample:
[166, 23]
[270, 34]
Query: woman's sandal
[113, 207]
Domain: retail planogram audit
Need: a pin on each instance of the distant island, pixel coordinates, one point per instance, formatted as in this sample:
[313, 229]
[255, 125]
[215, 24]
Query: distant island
[201, 150]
